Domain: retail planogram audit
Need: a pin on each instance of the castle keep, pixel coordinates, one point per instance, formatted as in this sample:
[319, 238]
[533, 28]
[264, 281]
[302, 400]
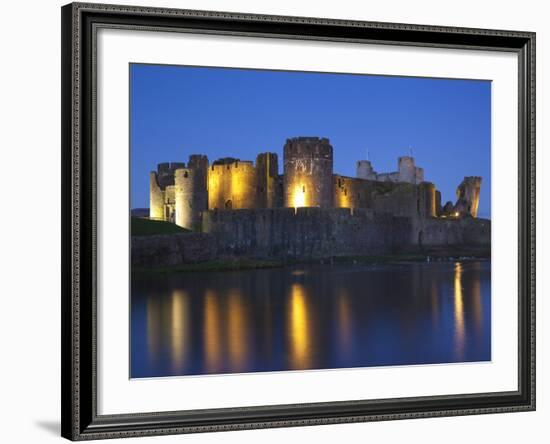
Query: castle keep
[241, 208]
[185, 193]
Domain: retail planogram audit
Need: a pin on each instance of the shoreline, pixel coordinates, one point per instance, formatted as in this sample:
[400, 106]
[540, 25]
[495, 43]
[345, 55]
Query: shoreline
[241, 264]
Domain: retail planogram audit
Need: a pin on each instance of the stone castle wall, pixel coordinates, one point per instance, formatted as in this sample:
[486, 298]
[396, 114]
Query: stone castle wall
[317, 232]
[170, 250]
[448, 233]
[232, 185]
[308, 166]
[309, 233]
[267, 181]
[300, 233]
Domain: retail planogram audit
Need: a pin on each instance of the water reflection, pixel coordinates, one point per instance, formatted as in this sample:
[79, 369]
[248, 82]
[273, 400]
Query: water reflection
[313, 317]
[459, 312]
[179, 328]
[345, 329]
[300, 336]
[212, 332]
[237, 327]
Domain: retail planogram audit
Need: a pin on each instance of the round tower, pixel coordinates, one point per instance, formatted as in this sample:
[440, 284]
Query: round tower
[308, 172]
[191, 197]
[427, 200]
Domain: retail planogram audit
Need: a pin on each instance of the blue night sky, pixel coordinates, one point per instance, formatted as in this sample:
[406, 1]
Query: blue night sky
[177, 111]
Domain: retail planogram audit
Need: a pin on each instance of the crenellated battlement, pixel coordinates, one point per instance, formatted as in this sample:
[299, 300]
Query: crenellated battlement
[181, 193]
[308, 147]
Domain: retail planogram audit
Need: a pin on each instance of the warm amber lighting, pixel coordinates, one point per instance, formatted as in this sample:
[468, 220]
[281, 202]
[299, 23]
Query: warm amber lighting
[299, 328]
[459, 312]
[236, 331]
[179, 327]
[456, 214]
[212, 332]
[299, 197]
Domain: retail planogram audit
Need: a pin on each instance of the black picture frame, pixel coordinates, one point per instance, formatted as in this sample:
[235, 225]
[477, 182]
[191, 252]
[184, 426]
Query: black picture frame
[79, 385]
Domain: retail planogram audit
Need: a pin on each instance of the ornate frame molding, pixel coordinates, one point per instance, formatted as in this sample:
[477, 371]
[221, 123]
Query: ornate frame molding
[80, 420]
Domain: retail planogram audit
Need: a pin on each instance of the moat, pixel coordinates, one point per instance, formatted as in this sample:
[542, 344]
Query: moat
[310, 317]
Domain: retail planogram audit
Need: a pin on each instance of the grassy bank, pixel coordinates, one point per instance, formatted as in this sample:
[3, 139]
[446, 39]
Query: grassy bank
[147, 227]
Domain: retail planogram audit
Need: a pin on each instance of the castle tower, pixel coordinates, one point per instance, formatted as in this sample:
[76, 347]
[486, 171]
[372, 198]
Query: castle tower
[467, 194]
[308, 172]
[365, 170]
[191, 196]
[267, 173]
[156, 198]
[161, 184]
[427, 200]
[406, 169]
[231, 184]
[408, 172]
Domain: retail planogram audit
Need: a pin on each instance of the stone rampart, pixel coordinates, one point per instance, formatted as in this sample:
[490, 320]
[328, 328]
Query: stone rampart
[170, 250]
[309, 233]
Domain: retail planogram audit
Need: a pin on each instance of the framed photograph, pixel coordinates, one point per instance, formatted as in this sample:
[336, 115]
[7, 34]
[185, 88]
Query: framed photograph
[280, 221]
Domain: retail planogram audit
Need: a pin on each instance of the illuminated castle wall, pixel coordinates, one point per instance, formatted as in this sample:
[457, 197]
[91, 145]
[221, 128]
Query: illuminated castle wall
[308, 173]
[181, 193]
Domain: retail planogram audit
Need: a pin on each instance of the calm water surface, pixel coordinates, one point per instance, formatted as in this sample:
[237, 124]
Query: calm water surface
[310, 317]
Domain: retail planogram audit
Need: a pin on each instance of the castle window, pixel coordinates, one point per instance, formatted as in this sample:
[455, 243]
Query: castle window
[186, 174]
[304, 189]
[228, 204]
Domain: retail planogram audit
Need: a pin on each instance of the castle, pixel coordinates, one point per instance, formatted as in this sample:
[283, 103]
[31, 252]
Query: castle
[182, 193]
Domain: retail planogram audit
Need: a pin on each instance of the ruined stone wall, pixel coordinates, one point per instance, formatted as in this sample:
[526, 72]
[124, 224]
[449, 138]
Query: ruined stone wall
[365, 170]
[388, 177]
[162, 192]
[172, 249]
[309, 233]
[267, 176]
[451, 233]
[427, 200]
[350, 192]
[406, 172]
[156, 198]
[301, 233]
[438, 207]
[308, 168]
[467, 194]
[399, 198]
[404, 199]
[166, 172]
[232, 185]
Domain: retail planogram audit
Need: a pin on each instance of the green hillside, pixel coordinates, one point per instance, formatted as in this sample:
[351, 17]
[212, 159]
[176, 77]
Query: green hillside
[146, 227]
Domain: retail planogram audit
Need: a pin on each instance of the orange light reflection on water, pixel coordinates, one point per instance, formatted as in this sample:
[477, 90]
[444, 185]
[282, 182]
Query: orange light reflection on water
[459, 312]
[299, 328]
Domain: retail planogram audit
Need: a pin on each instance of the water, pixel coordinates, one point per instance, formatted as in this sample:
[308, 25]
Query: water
[310, 317]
